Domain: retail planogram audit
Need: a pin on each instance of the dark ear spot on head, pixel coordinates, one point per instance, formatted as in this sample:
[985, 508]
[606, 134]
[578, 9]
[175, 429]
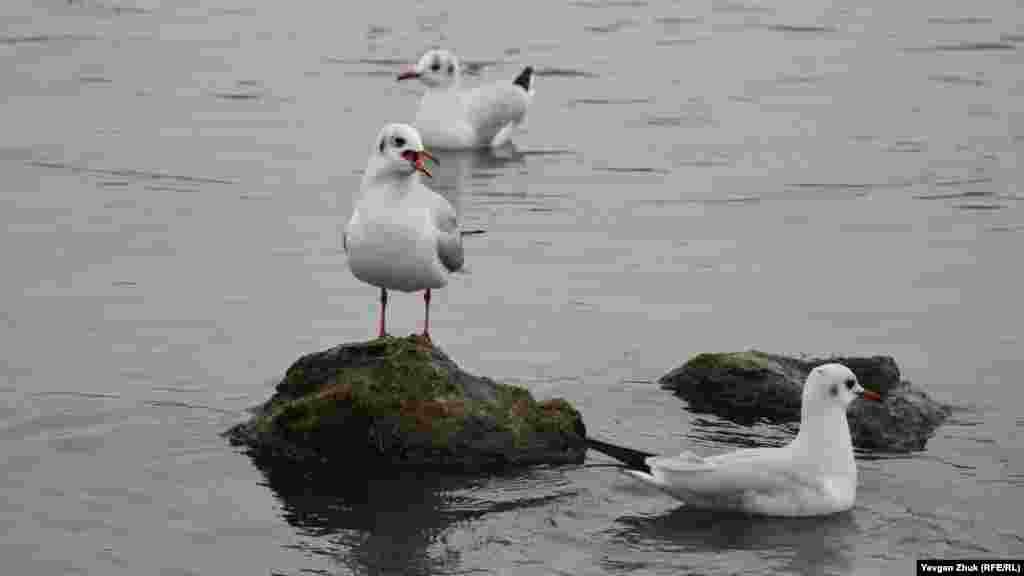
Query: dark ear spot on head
[451, 69]
[834, 390]
[381, 145]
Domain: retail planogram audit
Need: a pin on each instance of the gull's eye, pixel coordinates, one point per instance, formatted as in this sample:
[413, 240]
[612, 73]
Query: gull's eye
[435, 65]
[399, 142]
[850, 383]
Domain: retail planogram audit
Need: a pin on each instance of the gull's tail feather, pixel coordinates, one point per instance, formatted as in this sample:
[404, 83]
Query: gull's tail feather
[525, 80]
[635, 460]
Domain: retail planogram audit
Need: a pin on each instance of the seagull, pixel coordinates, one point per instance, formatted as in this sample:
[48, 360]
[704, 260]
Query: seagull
[454, 118]
[402, 235]
[815, 474]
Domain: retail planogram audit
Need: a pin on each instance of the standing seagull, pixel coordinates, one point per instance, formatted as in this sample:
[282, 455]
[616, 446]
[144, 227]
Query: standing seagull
[454, 118]
[815, 474]
[402, 235]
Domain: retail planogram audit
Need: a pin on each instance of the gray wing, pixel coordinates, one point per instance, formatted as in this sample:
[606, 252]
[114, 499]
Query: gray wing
[449, 240]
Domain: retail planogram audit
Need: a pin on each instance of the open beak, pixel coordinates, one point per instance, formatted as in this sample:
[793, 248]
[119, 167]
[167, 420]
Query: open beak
[416, 158]
[871, 395]
[409, 73]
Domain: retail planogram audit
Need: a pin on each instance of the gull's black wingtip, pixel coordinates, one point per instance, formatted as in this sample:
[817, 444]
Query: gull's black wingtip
[633, 459]
[525, 78]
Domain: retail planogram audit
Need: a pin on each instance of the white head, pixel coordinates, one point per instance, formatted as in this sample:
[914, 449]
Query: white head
[437, 69]
[833, 385]
[398, 151]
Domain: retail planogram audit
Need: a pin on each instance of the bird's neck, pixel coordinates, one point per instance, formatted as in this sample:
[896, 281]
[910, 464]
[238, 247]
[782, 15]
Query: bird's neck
[387, 182]
[824, 441]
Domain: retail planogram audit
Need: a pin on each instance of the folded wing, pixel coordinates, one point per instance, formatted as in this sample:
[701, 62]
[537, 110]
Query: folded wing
[449, 239]
[737, 474]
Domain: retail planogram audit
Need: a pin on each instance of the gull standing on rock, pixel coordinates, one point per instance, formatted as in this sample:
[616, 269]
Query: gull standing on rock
[402, 235]
[454, 118]
[813, 475]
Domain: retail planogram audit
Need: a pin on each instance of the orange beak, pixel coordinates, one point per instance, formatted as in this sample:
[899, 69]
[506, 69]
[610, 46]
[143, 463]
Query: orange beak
[416, 158]
[409, 73]
[871, 395]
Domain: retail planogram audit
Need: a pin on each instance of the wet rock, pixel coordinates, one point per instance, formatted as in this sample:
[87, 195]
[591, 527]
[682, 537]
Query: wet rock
[750, 386]
[401, 401]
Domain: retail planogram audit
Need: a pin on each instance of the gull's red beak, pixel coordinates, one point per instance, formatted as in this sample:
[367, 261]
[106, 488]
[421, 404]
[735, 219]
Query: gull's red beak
[871, 395]
[416, 158]
[408, 73]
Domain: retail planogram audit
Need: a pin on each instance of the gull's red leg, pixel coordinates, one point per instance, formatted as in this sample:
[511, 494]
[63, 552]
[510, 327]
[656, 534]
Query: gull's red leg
[426, 314]
[383, 310]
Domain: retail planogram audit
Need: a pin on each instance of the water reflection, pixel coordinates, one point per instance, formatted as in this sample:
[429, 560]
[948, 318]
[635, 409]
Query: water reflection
[390, 520]
[461, 170]
[807, 545]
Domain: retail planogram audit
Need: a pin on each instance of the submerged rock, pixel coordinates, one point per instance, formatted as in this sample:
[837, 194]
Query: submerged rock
[402, 401]
[752, 385]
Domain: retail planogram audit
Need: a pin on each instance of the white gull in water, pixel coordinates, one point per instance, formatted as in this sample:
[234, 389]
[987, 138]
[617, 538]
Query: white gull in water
[402, 235]
[453, 117]
[813, 475]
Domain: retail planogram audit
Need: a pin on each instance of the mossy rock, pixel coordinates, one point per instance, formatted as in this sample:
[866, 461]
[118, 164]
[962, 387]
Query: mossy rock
[403, 401]
[752, 386]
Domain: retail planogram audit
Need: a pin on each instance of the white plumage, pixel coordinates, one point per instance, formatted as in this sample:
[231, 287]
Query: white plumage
[402, 235]
[451, 117]
[814, 474]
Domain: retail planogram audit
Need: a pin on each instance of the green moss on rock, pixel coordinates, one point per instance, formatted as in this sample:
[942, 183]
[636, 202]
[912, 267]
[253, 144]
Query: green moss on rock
[404, 401]
[745, 360]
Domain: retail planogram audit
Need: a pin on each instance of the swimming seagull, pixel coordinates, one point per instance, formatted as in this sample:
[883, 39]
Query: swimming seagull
[402, 235]
[451, 117]
[813, 475]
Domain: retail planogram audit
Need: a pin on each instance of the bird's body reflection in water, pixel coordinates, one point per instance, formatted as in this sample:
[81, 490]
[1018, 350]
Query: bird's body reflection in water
[394, 521]
[809, 545]
[462, 172]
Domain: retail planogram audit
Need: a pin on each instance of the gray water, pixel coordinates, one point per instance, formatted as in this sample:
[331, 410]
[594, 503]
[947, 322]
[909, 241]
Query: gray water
[693, 177]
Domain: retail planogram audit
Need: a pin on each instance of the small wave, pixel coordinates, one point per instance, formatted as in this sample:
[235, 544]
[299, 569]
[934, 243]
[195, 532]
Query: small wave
[238, 95]
[610, 3]
[607, 101]
[376, 31]
[966, 47]
[959, 20]
[564, 73]
[176, 404]
[633, 170]
[732, 200]
[980, 207]
[835, 185]
[953, 195]
[612, 27]
[907, 146]
[141, 174]
[85, 79]
[957, 80]
[802, 29]
[676, 20]
[736, 6]
[44, 39]
[1006, 228]
[74, 394]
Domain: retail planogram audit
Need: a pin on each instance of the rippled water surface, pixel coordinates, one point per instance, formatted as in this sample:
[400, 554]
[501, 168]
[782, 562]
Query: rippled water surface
[694, 177]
